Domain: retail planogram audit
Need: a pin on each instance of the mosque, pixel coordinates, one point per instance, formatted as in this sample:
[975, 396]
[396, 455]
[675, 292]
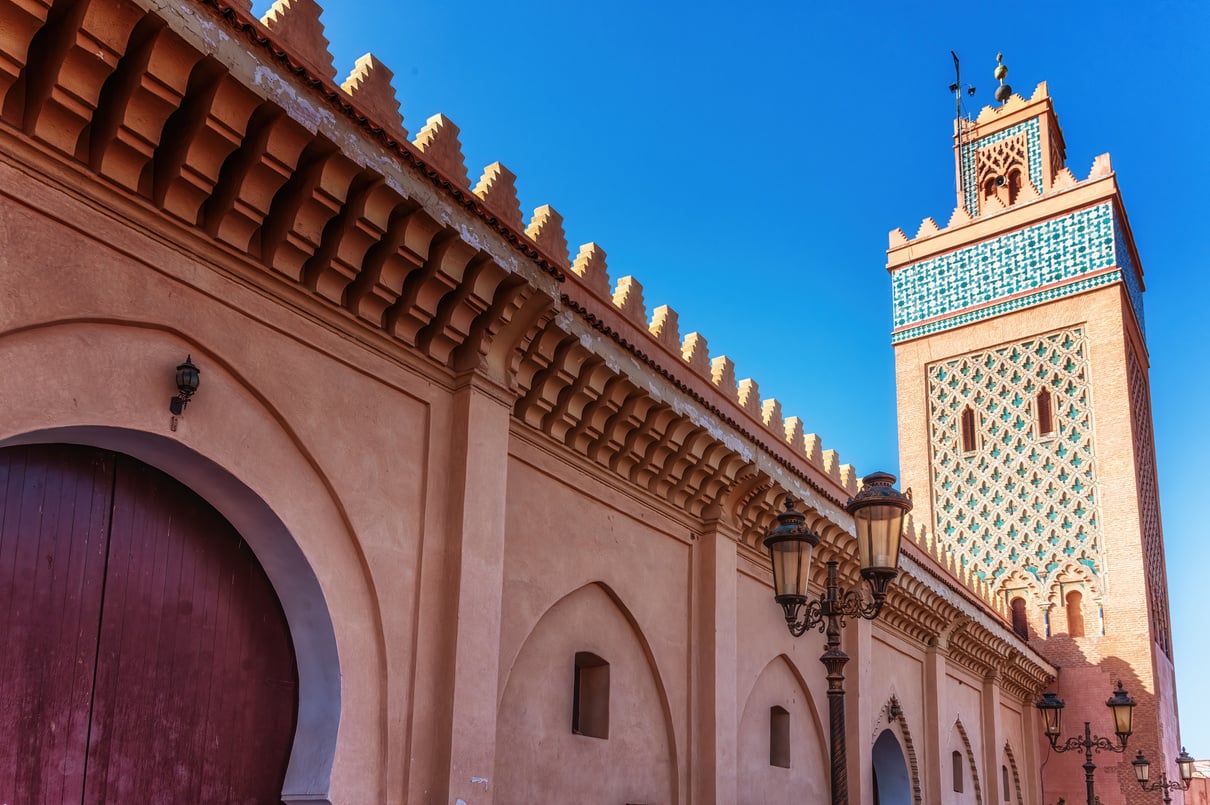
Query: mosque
[329, 476]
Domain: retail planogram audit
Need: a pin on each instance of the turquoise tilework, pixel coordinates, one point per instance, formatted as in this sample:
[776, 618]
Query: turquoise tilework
[1034, 139]
[1008, 306]
[1134, 287]
[1017, 498]
[1061, 250]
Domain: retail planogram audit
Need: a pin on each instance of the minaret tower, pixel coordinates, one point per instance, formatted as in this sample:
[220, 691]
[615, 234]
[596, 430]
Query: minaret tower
[1024, 410]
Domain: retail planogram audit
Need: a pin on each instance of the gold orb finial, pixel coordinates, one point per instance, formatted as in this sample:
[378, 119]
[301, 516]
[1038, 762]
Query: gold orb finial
[1004, 91]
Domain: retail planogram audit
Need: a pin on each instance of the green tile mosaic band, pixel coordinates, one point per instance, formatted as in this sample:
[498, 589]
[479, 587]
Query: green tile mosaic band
[1130, 272]
[1048, 295]
[963, 286]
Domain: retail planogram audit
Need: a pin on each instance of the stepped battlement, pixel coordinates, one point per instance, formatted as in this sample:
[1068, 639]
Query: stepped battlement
[1064, 179]
[296, 26]
[256, 145]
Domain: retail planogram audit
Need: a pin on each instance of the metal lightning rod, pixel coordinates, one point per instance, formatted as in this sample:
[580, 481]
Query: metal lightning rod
[963, 157]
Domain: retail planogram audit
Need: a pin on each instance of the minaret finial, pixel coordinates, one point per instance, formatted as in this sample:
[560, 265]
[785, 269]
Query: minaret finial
[1004, 91]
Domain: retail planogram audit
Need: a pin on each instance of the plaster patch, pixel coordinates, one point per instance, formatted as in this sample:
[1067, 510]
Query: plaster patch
[470, 236]
[307, 115]
[210, 34]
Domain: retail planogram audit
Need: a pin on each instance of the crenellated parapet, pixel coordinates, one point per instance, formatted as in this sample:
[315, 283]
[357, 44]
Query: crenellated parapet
[959, 217]
[233, 132]
[951, 561]
[296, 25]
[1070, 237]
[1025, 230]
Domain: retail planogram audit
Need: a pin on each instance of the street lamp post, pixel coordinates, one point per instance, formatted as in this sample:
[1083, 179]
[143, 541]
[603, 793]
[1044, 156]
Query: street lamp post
[1122, 707]
[878, 511]
[1142, 771]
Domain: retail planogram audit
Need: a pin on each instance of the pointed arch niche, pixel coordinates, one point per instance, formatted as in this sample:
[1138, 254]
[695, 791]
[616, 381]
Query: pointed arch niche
[892, 783]
[1010, 761]
[892, 726]
[960, 746]
[805, 778]
[539, 757]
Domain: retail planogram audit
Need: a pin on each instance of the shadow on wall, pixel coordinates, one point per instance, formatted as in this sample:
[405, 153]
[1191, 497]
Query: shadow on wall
[552, 744]
[1085, 688]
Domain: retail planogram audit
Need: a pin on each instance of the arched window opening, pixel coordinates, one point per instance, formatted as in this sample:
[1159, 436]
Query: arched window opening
[1045, 413]
[1020, 620]
[590, 696]
[957, 763]
[968, 430]
[1004, 782]
[779, 737]
[989, 187]
[1075, 614]
[1014, 185]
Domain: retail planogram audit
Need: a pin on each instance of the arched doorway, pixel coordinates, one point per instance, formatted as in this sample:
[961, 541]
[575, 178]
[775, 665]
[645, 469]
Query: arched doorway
[892, 785]
[147, 657]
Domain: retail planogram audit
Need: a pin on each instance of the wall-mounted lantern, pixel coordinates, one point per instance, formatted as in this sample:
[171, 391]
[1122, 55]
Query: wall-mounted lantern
[187, 378]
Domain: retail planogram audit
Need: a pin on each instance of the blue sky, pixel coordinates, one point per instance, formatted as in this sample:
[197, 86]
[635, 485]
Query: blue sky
[745, 162]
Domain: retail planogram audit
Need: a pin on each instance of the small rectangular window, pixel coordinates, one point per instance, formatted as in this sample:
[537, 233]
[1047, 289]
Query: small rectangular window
[1075, 614]
[1045, 412]
[968, 430]
[956, 759]
[779, 737]
[1020, 618]
[1004, 779]
[590, 696]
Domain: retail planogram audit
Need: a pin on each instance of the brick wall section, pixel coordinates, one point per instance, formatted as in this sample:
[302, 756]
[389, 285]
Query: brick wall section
[1128, 650]
[1149, 502]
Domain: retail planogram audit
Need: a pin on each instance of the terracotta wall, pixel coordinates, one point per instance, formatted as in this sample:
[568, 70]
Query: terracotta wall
[357, 453]
[440, 554]
[1091, 665]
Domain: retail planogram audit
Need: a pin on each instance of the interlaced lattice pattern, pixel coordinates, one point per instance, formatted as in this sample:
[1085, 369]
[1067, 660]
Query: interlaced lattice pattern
[999, 158]
[1149, 514]
[1018, 499]
[1031, 129]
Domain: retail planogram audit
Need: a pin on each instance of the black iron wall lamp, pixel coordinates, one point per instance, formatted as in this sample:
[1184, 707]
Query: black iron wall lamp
[188, 377]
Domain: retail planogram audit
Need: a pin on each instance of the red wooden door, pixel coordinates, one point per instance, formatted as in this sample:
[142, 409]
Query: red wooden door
[189, 687]
[54, 525]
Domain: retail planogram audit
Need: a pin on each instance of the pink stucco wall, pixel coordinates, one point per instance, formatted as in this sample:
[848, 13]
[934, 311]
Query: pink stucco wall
[438, 507]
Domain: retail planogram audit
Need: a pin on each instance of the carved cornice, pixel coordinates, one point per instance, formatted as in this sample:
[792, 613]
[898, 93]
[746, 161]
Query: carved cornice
[259, 37]
[362, 231]
[723, 416]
